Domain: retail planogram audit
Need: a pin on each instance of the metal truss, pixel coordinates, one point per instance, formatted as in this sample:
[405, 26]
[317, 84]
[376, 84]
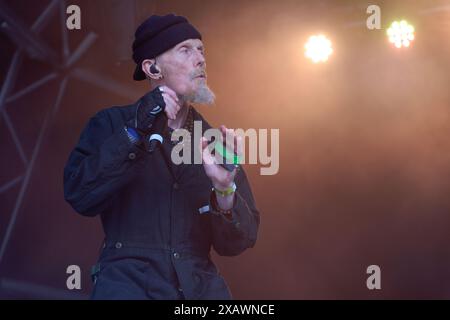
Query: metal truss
[63, 66]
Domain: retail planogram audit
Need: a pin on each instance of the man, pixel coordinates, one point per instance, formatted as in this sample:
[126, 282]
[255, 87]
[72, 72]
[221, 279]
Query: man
[160, 219]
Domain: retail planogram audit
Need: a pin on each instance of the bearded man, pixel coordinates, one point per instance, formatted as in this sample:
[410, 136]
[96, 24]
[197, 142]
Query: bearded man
[160, 219]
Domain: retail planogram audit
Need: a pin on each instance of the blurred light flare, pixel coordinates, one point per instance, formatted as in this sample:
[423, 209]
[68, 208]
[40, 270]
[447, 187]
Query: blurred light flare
[318, 48]
[401, 34]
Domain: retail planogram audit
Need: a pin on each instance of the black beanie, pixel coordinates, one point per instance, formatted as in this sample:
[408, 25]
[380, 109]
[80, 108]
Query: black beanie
[158, 34]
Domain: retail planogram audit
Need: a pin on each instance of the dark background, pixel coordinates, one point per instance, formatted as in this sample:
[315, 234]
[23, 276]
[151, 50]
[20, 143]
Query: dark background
[364, 149]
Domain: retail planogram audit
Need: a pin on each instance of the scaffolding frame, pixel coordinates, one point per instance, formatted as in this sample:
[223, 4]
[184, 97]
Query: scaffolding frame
[63, 66]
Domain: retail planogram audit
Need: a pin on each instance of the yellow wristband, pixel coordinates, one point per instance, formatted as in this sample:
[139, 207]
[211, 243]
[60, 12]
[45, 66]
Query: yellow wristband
[227, 191]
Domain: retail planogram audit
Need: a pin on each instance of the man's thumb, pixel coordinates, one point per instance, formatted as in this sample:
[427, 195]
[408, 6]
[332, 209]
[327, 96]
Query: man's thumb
[203, 143]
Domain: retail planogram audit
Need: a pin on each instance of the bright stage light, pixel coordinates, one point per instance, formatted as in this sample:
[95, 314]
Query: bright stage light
[318, 48]
[401, 33]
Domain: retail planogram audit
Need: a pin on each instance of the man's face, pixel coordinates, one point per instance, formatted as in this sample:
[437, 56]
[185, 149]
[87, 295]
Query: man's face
[184, 71]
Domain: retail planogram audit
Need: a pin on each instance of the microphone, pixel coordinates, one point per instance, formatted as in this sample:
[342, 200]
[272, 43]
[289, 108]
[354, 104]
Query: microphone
[158, 128]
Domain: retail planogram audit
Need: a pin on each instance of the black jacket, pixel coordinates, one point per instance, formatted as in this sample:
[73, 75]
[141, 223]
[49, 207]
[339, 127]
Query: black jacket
[152, 216]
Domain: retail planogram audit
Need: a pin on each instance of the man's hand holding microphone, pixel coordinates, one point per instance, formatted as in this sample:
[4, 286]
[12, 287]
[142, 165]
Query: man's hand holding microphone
[152, 114]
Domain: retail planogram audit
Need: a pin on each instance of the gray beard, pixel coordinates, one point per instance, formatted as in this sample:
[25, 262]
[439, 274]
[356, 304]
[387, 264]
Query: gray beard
[203, 95]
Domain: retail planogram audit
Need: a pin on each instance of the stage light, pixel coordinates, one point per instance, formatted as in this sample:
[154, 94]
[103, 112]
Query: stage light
[401, 33]
[318, 48]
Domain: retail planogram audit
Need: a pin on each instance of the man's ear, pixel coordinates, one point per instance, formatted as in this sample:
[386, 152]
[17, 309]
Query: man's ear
[151, 70]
